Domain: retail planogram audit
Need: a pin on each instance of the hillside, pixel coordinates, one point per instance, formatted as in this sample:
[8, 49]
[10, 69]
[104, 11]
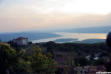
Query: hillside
[99, 29]
[31, 35]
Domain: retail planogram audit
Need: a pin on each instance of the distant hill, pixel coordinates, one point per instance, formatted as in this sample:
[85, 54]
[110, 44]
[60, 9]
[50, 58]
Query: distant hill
[70, 40]
[31, 35]
[101, 29]
[65, 40]
[91, 41]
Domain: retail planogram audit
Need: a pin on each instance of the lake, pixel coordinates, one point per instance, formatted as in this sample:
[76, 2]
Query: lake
[71, 37]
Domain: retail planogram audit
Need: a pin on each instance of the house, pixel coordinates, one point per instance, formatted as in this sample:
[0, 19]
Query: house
[20, 41]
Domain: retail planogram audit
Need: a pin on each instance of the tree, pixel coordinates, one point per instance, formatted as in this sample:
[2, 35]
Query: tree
[42, 63]
[108, 40]
[51, 64]
[100, 61]
[82, 61]
[23, 63]
[7, 59]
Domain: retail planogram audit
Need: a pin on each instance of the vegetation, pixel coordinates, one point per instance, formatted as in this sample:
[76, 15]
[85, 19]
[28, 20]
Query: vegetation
[42, 63]
[14, 62]
[7, 59]
[85, 54]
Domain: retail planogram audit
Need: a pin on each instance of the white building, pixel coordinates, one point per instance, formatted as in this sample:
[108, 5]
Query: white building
[21, 41]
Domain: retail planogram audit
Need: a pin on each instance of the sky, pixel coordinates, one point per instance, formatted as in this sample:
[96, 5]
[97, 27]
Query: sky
[25, 15]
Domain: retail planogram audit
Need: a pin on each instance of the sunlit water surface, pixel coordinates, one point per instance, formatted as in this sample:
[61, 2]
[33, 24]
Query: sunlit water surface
[79, 36]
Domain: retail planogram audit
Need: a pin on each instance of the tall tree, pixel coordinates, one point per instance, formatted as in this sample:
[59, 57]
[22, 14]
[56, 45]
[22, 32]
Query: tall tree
[41, 63]
[7, 59]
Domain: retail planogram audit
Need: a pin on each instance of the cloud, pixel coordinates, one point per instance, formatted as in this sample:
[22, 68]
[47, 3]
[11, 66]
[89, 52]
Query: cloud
[19, 15]
[53, 21]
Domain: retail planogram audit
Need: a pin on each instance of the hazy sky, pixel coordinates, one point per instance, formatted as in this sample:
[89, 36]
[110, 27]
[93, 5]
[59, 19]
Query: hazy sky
[21, 15]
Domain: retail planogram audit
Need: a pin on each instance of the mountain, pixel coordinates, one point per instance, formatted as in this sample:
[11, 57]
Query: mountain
[64, 40]
[100, 29]
[91, 41]
[69, 40]
[30, 35]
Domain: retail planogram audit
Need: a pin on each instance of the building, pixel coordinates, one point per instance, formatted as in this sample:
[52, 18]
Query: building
[20, 41]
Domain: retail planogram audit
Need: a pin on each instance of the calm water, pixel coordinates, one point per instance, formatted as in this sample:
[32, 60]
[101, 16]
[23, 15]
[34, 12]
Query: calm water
[79, 36]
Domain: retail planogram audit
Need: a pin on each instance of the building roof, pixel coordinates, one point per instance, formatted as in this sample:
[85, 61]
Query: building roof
[21, 38]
